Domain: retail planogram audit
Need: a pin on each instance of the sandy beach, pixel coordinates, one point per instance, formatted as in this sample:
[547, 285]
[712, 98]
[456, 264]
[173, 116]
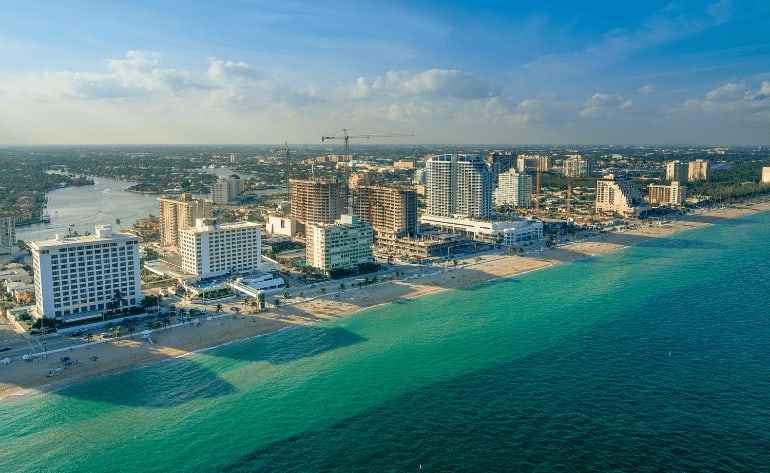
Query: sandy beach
[45, 374]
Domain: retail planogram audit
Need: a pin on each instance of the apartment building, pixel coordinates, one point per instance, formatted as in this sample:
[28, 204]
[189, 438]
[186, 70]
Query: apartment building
[176, 214]
[677, 171]
[458, 185]
[514, 189]
[343, 244]
[699, 170]
[78, 278]
[211, 249]
[576, 166]
[673, 194]
[227, 191]
[619, 196]
[7, 232]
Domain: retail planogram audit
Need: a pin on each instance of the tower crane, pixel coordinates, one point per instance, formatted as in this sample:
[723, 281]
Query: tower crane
[346, 137]
[285, 149]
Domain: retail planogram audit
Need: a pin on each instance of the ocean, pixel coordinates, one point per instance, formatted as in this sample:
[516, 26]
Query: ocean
[650, 358]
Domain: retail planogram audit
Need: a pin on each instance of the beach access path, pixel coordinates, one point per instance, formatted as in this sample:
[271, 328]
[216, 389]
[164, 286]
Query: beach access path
[48, 373]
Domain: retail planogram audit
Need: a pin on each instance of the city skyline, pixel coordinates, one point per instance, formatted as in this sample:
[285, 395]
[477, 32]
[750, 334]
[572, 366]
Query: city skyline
[450, 72]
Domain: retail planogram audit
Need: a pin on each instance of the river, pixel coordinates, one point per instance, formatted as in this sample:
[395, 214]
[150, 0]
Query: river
[83, 207]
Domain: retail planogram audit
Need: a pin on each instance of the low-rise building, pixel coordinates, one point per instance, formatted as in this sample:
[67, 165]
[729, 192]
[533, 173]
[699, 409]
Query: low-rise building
[517, 232]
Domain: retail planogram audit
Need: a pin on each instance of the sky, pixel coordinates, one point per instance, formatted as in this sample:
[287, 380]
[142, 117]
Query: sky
[431, 72]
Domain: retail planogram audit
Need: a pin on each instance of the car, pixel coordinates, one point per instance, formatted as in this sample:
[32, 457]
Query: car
[77, 333]
[5, 348]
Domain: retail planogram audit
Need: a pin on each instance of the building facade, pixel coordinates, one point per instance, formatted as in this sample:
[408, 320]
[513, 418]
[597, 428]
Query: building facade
[78, 278]
[341, 245]
[7, 232]
[514, 189]
[677, 171]
[317, 200]
[673, 194]
[699, 170]
[227, 191]
[576, 166]
[176, 214]
[458, 185]
[517, 232]
[766, 175]
[618, 196]
[391, 211]
[210, 249]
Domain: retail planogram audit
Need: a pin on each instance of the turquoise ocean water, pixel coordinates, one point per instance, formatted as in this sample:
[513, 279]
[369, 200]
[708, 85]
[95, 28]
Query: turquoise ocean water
[653, 358]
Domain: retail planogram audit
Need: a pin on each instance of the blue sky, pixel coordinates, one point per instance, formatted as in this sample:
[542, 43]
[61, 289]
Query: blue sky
[502, 72]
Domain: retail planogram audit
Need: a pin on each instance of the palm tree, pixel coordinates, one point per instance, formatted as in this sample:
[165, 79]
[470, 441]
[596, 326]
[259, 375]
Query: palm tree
[218, 308]
[88, 337]
[131, 330]
[118, 333]
[342, 286]
[323, 290]
[286, 296]
[277, 302]
[301, 295]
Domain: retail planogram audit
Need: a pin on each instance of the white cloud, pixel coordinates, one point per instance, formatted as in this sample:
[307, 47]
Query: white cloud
[600, 105]
[433, 83]
[648, 89]
[734, 97]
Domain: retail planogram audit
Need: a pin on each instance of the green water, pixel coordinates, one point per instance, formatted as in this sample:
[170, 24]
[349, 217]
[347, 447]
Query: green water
[653, 358]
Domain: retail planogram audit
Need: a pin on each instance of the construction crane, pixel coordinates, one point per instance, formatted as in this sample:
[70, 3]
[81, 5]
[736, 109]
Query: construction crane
[285, 149]
[345, 136]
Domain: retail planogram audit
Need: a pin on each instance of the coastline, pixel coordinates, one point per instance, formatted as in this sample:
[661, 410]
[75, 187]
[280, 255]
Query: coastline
[22, 379]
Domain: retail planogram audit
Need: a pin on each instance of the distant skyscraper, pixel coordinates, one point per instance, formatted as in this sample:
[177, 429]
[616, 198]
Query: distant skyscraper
[699, 170]
[458, 185]
[226, 191]
[676, 171]
[576, 166]
[317, 200]
[178, 214]
[513, 188]
[7, 232]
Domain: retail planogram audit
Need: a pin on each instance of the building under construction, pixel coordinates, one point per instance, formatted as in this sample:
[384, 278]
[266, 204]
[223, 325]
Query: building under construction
[391, 210]
[317, 200]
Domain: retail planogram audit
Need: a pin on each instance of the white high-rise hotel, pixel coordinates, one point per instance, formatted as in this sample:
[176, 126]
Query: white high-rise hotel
[79, 277]
[211, 249]
[458, 185]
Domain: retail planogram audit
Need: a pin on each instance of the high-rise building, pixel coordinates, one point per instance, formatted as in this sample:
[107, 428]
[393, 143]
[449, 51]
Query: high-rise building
[576, 166]
[513, 188]
[458, 185]
[619, 196]
[673, 194]
[341, 245]
[81, 277]
[699, 170]
[211, 249]
[766, 175]
[227, 191]
[500, 162]
[391, 210]
[176, 214]
[317, 200]
[7, 232]
[676, 171]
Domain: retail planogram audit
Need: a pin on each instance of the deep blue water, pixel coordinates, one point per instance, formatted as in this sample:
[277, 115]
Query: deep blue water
[652, 358]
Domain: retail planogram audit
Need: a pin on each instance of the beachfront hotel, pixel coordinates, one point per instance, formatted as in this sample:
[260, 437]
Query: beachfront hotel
[672, 195]
[176, 214]
[346, 243]
[212, 249]
[458, 185]
[78, 278]
[618, 196]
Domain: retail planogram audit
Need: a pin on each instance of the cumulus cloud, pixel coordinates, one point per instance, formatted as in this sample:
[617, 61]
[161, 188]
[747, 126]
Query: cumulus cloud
[433, 83]
[648, 89]
[600, 105]
[734, 97]
[227, 71]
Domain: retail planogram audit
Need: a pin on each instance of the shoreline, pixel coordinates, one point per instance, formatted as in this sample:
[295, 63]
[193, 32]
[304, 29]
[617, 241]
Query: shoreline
[26, 379]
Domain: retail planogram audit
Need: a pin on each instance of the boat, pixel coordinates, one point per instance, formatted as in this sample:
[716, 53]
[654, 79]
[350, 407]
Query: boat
[45, 218]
